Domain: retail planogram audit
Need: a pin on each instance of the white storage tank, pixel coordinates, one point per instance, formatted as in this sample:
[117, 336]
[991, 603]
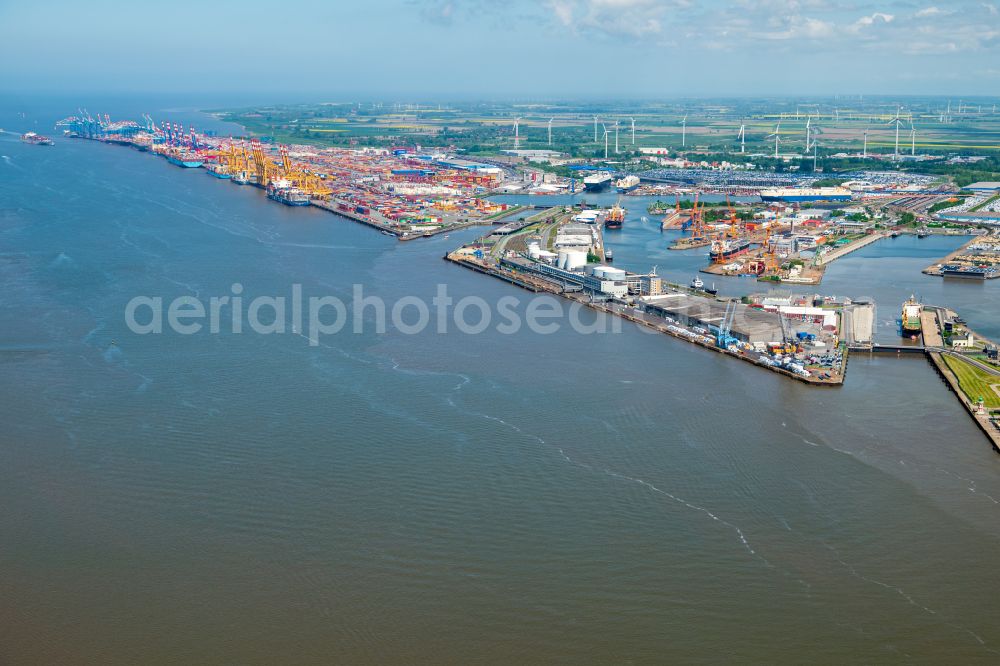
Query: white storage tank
[547, 257]
[575, 259]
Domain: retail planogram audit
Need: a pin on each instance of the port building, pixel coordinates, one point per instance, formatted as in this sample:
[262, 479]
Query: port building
[749, 325]
[984, 186]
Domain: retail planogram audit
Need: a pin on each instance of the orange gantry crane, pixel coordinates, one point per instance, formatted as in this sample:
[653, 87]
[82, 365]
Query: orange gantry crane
[302, 178]
[266, 170]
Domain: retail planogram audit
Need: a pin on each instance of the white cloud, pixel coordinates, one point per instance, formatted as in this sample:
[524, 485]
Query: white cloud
[877, 17]
[563, 11]
[798, 27]
[615, 18]
[834, 28]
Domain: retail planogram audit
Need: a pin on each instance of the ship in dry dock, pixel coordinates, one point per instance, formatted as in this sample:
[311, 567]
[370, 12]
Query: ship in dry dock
[727, 249]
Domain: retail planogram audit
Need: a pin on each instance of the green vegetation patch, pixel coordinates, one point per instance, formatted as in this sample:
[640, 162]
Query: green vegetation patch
[975, 382]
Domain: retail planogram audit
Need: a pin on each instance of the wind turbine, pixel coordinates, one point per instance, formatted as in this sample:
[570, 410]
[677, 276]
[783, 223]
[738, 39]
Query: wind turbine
[897, 122]
[605, 140]
[684, 124]
[913, 140]
[777, 138]
[808, 123]
[742, 136]
[865, 152]
[633, 129]
[816, 132]
[616, 137]
[595, 129]
[550, 130]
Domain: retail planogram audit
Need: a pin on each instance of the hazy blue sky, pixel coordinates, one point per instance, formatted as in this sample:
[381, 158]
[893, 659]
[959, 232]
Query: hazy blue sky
[473, 48]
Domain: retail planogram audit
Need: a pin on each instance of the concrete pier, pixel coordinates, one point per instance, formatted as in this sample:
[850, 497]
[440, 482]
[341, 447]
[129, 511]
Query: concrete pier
[988, 426]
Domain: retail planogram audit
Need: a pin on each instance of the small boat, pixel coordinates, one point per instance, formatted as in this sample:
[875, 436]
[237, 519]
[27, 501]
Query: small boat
[696, 283]
[609, 255]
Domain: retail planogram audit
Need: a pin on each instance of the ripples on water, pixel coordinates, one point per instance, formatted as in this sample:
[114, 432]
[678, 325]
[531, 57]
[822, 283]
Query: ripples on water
[243, 498]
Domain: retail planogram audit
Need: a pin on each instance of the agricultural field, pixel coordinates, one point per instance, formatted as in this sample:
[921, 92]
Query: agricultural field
[932, 129]
[924, 125]
[975, 382]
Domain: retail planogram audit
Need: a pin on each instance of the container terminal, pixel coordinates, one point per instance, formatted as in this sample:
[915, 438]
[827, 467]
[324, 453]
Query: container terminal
[403, 191]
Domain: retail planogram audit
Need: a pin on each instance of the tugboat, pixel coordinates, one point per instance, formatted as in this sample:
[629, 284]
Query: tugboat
[711, 290]
[697, 283]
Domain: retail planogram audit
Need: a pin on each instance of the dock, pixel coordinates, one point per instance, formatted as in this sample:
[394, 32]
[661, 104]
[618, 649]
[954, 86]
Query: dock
[990, 425]
[829, 257]
[962, 254]
[342, 209]
[674, 220]
[632, 314]
[934, 349]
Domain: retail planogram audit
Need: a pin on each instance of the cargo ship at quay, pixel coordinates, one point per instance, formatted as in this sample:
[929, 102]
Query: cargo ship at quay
[627, 184]
[597, 182]
[185, 160]
[282, 191]
[804, 194]
[220, 171]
